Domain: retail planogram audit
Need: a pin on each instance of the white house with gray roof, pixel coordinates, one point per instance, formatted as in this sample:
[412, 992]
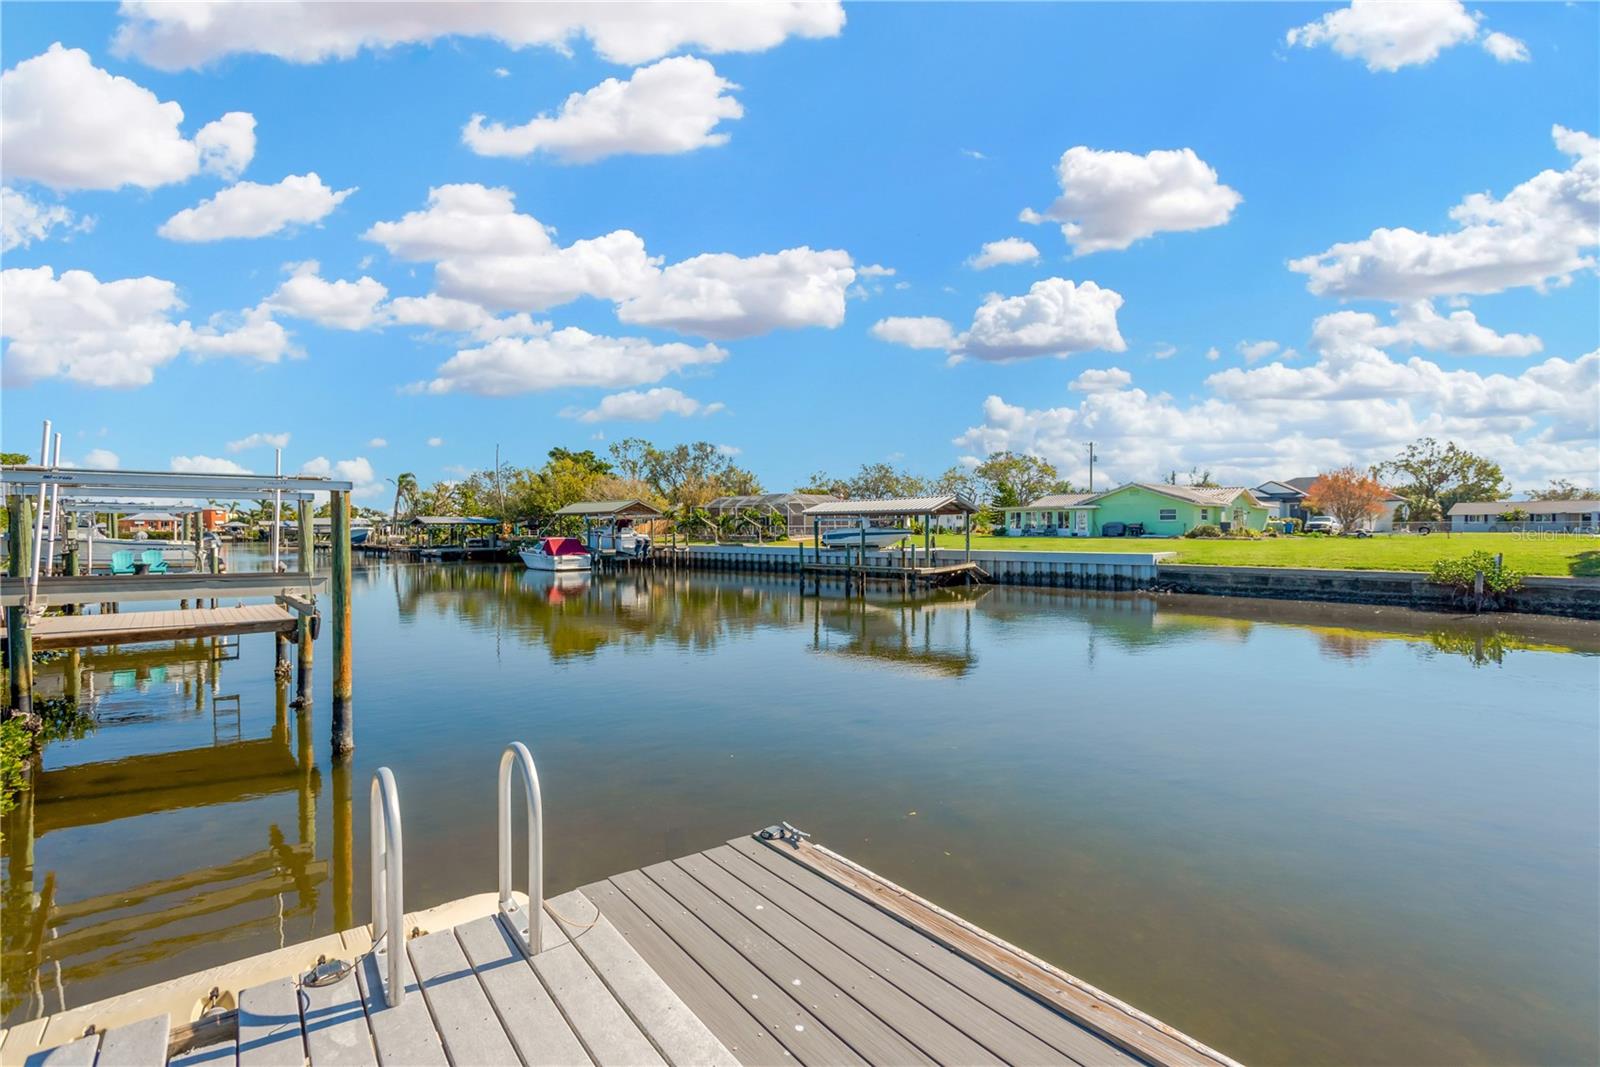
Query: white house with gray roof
[1489, 516]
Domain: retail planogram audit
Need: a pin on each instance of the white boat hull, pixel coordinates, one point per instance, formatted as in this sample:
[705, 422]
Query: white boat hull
[535, 560]
[875, 537]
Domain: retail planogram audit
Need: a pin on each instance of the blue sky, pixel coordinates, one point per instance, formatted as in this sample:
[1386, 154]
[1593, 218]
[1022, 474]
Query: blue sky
[1296, 276]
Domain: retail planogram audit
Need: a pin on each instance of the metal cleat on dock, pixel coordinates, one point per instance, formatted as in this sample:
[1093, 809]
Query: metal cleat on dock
[782, 831]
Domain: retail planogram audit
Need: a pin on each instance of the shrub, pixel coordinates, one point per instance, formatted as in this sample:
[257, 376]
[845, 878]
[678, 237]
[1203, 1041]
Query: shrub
[1242, 533]
[1461, 574]
[1206, 530]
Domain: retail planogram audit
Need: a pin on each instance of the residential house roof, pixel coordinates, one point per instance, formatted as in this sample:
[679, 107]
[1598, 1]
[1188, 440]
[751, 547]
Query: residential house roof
[1057, 502]
[910, 505]
[1500, 507]
[453, 520]
[1299, 487]
[613, 509]
[1205, 496]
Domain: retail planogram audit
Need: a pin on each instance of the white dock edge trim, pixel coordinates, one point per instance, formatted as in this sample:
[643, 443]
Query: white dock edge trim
[387, 882]
[1094, 991]
[523, 922]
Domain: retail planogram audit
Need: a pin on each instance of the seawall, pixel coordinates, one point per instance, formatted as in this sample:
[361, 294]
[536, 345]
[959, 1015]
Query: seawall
[1577, 598]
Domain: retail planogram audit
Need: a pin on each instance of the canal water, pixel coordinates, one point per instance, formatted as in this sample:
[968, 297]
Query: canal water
[1306, 834]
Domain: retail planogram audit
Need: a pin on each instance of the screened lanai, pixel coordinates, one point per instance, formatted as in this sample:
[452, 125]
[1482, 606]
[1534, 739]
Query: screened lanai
[785, 508]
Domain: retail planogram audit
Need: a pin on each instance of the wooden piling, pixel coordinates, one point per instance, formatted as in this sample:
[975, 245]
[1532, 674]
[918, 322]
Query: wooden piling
[19, 639]
[344, 736]
[303, 691]
[343, 848]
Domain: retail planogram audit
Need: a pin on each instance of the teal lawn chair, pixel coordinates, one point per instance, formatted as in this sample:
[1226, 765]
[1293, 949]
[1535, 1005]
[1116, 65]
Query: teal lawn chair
[122, 561]
[154, 560]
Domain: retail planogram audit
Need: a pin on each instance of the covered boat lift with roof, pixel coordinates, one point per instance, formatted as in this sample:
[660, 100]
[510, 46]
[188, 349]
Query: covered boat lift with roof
[40, 500]
[865, 512]
[609, 518]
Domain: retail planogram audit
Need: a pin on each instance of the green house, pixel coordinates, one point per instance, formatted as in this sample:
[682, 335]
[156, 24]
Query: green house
[1171, 510]
[1163, 510]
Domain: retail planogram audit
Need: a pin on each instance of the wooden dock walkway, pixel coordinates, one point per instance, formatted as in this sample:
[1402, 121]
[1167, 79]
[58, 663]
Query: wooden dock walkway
[131, 627]
[755, 952]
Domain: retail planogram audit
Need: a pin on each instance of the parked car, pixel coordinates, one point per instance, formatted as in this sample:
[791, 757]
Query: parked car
[1324, 524]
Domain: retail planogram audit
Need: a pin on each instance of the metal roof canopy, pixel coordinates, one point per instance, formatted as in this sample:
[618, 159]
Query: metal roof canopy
[617, 509]
[450, 520]
[126, 507]
[911, 505]
[153, 483]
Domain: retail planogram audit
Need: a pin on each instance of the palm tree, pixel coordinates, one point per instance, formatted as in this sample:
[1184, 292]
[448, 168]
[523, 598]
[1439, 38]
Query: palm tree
[405, 492]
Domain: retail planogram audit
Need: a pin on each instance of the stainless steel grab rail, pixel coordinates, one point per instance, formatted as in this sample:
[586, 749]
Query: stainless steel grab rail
[525, 923]
[387, 887]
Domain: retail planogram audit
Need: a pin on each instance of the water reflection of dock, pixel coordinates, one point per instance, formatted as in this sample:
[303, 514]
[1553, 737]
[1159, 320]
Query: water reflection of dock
[52, 942]
[899, 632]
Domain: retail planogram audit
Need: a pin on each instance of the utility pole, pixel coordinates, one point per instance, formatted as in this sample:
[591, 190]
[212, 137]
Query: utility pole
[1091, 466]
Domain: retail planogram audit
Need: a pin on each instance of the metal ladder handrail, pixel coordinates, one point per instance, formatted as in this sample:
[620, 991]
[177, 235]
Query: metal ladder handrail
[387, 879]
[526, 925]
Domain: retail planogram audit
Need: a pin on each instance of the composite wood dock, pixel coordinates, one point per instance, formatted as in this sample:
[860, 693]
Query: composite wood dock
[755, 952]
[133, 627]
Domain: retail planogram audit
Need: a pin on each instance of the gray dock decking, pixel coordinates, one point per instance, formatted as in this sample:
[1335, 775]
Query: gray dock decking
[748, 953]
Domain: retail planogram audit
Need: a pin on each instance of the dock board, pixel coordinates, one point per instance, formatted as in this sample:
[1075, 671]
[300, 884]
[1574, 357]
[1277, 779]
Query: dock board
[133, 627]
[753, 952]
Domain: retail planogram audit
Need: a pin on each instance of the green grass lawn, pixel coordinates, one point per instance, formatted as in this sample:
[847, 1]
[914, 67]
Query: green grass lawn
[1561, 555]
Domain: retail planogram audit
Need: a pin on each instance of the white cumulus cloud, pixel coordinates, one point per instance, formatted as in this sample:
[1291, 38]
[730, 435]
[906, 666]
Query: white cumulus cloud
[102, 459]
[249, 209]
[1357, 404]
[1055, 317]
[342, 305]
[70, 125]
[1255, 351]
[1540, 234]
[206, 465]
[358, 472]
[1101, 381]
[227, 145]
[646, 406]
[1003, 252]
[170, 35]
[1505, 48]
[116, 333]
[259, 440]
[724, 296]
[487, 253]
[1111, 199]
[562, 358]
[24, 220]
[1390, 34]
[667, 108]
[378, 442]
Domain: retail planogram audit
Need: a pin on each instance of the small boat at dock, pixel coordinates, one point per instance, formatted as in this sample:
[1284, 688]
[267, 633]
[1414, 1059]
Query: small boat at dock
[873, 536]
[557, 554]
